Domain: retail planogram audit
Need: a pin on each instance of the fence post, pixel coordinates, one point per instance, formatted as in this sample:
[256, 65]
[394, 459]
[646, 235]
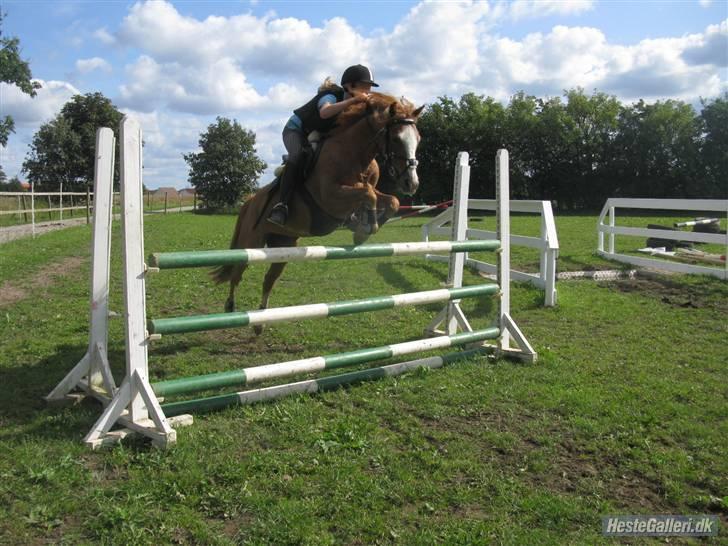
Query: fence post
[32, 207]
[25, 208]
[71, 197]
[611, 235]
[88, 204]
[60, 203]
[49, 208]
[194, 201]
[166, 196]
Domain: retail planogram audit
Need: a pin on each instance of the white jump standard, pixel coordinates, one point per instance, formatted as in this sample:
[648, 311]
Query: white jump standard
[135, 404]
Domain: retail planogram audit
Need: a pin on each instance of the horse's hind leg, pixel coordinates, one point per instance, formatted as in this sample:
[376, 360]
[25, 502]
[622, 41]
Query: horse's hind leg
[274, 271]
[235, 276]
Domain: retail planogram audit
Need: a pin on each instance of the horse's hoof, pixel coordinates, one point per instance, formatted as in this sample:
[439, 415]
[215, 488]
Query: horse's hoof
[360, 237]
[258, 329]
[229, 306]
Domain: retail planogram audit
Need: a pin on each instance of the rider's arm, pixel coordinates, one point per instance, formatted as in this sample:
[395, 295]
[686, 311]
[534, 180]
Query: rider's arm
[330, 109]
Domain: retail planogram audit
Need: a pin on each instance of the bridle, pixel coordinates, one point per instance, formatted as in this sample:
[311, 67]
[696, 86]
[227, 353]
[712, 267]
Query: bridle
[390, 156]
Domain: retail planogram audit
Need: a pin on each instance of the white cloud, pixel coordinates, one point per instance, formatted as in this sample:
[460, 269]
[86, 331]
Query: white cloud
[84, 66]
[104, 36]
[710, 48]
[523, 9]
[214, 88]
[29, 113]
[705, 3]
[26, 110]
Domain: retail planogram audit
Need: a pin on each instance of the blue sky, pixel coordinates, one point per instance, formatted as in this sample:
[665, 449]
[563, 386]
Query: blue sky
[177, 65]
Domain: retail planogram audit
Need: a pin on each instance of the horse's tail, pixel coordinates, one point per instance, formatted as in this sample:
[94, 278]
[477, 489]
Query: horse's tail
[223, 273]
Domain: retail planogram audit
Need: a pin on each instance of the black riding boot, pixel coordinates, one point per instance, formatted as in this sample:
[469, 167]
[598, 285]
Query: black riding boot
[279, 213]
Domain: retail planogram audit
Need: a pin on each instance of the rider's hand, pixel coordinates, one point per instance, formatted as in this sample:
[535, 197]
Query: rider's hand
[361, 97]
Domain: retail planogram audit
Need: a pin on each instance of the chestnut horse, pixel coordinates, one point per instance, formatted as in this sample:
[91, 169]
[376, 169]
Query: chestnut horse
[341, 189]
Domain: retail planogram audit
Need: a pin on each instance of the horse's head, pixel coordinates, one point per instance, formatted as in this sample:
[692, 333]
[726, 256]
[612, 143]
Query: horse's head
[401, 139]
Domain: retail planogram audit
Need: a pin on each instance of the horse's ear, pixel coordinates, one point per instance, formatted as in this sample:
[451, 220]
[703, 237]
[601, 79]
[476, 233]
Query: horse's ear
[416, 113]
[392, 109]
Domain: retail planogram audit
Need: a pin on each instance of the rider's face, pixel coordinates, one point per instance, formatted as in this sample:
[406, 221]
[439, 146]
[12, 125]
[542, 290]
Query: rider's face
[359, 87]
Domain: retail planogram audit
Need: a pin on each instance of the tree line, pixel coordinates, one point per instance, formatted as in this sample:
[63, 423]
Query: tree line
[578, 150]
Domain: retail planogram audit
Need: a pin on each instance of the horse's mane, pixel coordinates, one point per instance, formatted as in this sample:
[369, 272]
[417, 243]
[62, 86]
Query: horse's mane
[377, 102]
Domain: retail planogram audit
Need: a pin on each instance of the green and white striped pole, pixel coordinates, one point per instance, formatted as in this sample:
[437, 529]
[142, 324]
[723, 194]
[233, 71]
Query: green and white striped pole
[197, 323]
[313, 385]
[206, 258]
[258, 374]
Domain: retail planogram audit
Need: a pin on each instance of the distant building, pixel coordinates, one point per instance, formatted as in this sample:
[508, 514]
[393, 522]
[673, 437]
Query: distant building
[25, 186]
[169, 192]
[187, 192]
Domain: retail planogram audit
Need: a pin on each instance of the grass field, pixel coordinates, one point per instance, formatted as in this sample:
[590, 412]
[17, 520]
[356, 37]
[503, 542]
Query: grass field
[626, 411]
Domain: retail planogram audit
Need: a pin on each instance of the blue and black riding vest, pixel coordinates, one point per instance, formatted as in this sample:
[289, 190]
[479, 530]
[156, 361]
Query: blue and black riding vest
[310, 116]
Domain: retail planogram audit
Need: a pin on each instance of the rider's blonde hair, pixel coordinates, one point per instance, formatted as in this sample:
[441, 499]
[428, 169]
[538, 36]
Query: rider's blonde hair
[328, 85]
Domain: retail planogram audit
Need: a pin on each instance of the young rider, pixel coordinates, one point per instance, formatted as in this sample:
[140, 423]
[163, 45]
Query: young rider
[318, 114]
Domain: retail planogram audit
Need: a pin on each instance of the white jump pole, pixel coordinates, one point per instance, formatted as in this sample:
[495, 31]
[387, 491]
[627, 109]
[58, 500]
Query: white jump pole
[508, 326]
[92, 374]
[134, 405]
[452, 315]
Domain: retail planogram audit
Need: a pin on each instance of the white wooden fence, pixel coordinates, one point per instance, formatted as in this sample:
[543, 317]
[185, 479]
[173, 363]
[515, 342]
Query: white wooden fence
[694, 205]
[547, 243]
[54, 204]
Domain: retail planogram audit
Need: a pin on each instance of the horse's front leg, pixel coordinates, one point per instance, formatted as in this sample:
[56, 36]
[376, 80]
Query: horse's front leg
[387, 206]
[369, 223]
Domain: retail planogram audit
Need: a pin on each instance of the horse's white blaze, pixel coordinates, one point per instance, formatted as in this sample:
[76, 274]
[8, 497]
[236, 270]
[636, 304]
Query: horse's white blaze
[409, 138]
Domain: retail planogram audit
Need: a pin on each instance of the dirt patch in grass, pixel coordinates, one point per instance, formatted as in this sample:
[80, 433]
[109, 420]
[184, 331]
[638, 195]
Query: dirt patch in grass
[675, 294]
[571, 469]
[13, 292]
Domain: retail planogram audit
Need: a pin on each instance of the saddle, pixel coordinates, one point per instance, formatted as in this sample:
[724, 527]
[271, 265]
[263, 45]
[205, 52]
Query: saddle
[322, 222]
[310, 158]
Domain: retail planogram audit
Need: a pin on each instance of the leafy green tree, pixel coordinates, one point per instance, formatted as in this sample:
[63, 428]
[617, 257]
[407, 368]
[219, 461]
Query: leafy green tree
[591, 130]
[56, 157]
[658, 150]
[3, 176]
[63, 150]
[13, 184]
[714, 151]
[13, 70]
[473, 124]
[228, 167]
[521, 123]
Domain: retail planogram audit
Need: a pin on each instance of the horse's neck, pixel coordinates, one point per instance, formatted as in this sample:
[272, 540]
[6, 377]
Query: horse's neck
[361, 141]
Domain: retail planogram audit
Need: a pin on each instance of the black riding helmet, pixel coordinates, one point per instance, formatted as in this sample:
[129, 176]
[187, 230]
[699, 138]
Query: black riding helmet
[357, 73]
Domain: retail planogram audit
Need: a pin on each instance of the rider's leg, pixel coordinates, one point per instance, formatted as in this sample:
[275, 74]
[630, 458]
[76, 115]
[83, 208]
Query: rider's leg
[293, 141]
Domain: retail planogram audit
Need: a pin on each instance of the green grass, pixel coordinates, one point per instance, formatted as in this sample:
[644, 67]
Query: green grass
[625, 412]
